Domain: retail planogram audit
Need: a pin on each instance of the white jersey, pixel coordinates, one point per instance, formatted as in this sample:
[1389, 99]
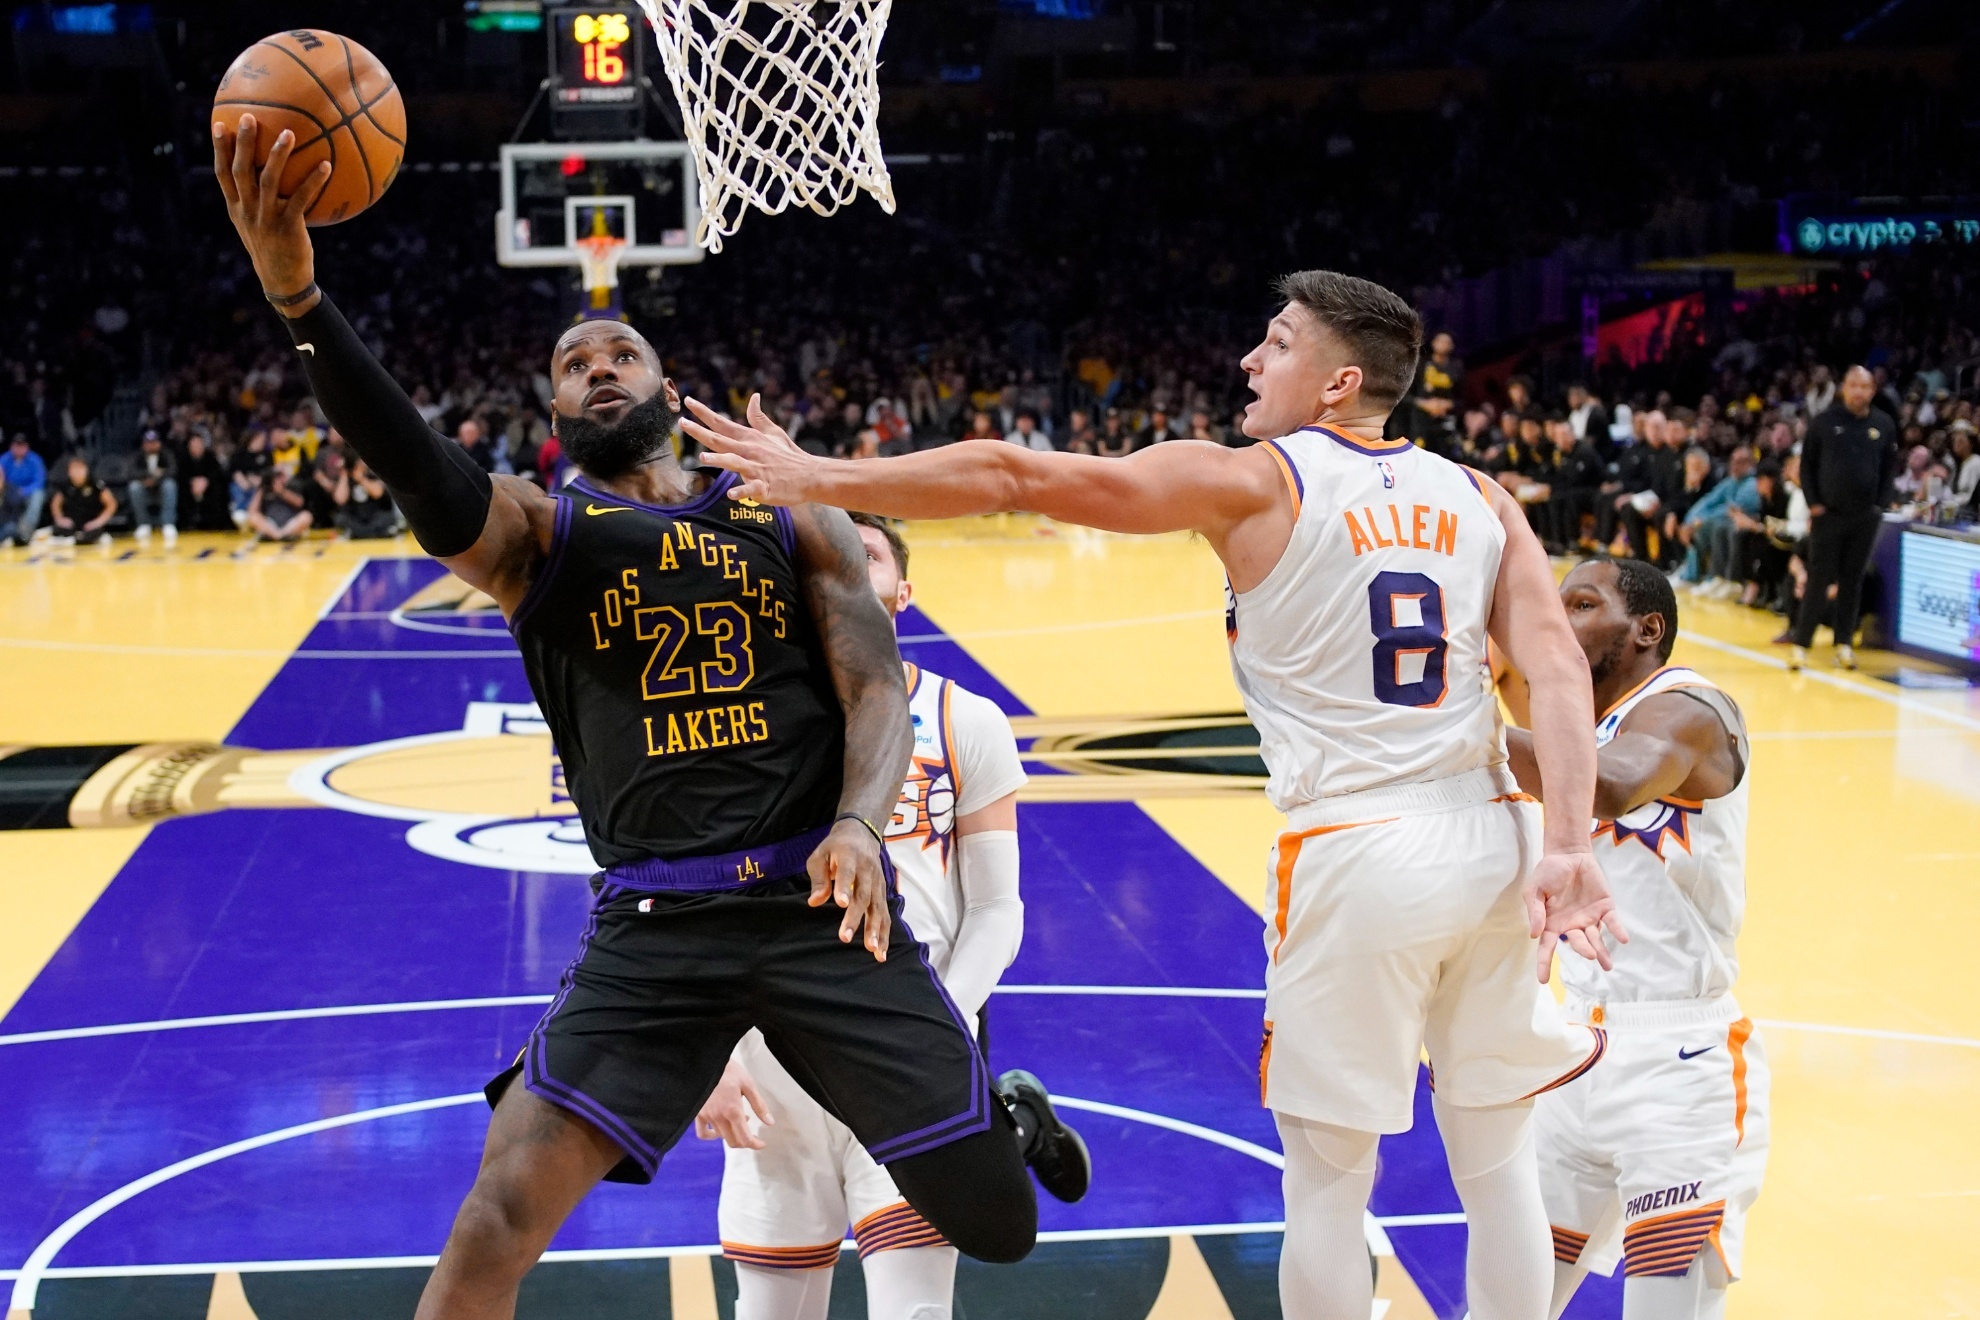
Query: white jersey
[1361, 656]
[1678, 872]
[965, 758]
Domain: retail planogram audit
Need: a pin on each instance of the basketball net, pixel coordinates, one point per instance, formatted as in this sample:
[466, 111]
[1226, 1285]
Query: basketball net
[598, 254]
[781, 102]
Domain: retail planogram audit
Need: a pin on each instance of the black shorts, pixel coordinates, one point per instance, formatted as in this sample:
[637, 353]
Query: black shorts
[666, 983]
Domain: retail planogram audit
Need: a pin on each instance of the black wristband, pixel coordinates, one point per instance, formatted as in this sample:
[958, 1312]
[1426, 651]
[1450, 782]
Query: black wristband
[854, 815]
[289, 299]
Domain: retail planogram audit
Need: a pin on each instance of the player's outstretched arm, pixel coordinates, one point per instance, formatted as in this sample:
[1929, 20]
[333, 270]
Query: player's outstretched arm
[1670, 745]
[1179, 486]
[492, 533]
[1567, 896]
[865, 662]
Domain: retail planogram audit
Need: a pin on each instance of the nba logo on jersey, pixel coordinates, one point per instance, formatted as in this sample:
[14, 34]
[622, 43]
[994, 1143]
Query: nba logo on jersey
[1388, 473]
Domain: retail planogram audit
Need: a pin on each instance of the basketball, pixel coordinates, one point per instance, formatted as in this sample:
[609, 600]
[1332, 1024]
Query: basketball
[339, 101]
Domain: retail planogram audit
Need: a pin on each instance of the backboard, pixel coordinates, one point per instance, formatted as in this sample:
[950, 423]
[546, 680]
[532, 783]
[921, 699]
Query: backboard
[552, 192]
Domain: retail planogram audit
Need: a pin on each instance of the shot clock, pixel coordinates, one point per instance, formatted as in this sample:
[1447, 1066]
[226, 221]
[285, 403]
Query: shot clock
[595, 56]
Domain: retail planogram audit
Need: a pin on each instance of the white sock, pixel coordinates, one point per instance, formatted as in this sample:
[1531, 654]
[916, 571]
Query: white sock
[764, 1294]
[911, 1283]
[1510, 1249]
[1567, 1278]
[1696, 1294]
[1323, 1267]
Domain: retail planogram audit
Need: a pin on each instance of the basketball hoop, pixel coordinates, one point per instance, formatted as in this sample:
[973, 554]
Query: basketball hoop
[598, 255]
[781, 102]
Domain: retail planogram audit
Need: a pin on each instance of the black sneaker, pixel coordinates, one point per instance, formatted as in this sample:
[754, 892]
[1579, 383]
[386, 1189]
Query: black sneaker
[1055, 1152]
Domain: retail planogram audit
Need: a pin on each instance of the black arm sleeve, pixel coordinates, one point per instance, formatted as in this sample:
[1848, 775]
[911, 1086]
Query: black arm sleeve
[444, 493]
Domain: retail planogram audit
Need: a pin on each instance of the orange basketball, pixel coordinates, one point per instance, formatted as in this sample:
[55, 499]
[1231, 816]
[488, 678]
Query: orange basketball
[338, 100]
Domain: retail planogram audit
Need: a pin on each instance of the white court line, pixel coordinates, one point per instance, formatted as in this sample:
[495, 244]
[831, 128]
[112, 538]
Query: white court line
[1149, 991]
[118, 648]
[27, 1279]
[401, 619]
[1808, 735]
[271, 1015]
[1870, 1033]
[506, 1001]
[1899, 700]
[342, 587]
[1046, 629]
[656, 1253]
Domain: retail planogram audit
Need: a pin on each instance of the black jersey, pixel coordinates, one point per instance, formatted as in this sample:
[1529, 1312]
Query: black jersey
[680, 675]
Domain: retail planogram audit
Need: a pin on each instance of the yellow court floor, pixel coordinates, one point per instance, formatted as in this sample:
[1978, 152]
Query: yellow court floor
[1857, 958]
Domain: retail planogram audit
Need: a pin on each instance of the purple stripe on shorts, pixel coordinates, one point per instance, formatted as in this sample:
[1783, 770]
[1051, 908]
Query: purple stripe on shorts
[972, 1120]
[537, 1078]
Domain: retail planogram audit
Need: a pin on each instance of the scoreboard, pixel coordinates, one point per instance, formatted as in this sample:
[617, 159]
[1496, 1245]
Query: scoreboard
[595, 70]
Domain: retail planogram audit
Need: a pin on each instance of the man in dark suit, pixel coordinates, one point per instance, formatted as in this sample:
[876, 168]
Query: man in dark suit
[1848, 463]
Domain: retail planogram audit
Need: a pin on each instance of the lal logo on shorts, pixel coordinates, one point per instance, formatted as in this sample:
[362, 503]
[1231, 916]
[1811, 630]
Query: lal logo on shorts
[1670, 1196]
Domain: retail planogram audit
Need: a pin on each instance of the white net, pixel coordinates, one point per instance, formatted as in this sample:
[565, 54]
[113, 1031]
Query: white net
[598, 256]
[781, 102]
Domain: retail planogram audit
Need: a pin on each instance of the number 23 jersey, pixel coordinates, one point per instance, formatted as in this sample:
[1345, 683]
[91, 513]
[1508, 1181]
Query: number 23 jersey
[1361, 656]
[678, 669]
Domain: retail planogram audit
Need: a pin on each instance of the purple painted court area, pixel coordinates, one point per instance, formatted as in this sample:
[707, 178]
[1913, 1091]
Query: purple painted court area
[243, 911]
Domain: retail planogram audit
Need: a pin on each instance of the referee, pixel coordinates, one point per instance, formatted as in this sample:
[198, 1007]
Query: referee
[1848, 464]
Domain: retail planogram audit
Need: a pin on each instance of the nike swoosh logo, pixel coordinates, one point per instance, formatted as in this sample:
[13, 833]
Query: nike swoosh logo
[306, 348]
[1692, 1054]
[595, 510]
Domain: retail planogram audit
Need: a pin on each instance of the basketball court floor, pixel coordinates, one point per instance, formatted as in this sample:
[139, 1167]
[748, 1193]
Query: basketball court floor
[243, 1047]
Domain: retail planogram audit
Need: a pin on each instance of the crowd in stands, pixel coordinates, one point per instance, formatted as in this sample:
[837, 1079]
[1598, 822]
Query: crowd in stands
[1087, 285]
[1702, 460]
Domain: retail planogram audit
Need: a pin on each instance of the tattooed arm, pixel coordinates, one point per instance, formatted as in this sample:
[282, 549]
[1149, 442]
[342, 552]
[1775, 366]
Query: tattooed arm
[866, 672]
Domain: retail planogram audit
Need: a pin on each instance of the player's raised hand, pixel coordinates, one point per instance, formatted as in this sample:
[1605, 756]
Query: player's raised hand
[1567, 898]
[845, 869]
[271, 226]
[773, 469]
[726, 1112]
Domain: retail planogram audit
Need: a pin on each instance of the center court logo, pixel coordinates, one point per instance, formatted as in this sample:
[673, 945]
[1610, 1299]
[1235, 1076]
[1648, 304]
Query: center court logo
[488, 794]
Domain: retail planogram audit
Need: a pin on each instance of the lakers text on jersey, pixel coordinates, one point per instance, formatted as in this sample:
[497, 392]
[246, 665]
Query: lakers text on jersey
[680, 675]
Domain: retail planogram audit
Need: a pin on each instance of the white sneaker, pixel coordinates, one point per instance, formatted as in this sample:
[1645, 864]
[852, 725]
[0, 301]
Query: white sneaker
[1797, 657]
[41, 534]
[171, 535]
[144, 531]
[1845, 656]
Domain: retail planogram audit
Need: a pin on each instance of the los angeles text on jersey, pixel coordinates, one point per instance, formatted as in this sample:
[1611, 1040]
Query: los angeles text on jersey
[722, 630]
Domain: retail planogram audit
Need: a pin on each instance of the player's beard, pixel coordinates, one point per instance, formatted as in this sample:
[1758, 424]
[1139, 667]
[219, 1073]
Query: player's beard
[610, 451]
[1602, 667]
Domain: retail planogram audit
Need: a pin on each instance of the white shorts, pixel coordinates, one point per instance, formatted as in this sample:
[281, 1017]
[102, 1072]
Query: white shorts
[787, 1206]
[1397, 927]
[1660, 1151]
